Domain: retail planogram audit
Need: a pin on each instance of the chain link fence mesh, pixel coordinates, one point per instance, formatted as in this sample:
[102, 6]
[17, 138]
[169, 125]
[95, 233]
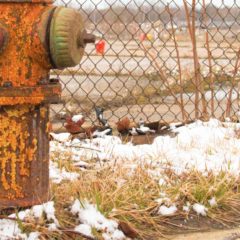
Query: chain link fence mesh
[166, 61]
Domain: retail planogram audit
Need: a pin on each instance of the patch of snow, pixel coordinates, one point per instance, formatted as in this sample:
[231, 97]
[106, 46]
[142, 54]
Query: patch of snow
[37, 212]
[34, 236]
[212, 202]
[61, 137]
[200, 209]
[9, 229]
[89, 215]
[116, 235]
[75, 142]
[161, 181]
[77, 118]
[58, 175]
[167, 211]
[84, 229]
[49, 210]
[186, 208]
[53, 227]
[162, 200]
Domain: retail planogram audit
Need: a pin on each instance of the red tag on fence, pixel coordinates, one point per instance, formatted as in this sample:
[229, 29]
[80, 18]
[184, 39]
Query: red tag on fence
[143, 37]
[100, 47]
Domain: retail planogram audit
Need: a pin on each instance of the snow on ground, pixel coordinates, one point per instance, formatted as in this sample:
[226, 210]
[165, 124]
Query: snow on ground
[167, 211]
[57, 175]
[203, 146]
[90, 217]
[200, 209]
[9, 228]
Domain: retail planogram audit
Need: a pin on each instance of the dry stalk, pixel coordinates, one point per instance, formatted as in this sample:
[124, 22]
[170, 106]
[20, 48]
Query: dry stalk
[184, 113]
[229, 101]
[204, 13]
[71, 231]
[162, 74]
[198, 83]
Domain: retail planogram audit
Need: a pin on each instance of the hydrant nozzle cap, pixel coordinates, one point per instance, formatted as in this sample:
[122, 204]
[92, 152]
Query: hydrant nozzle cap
[65, 31]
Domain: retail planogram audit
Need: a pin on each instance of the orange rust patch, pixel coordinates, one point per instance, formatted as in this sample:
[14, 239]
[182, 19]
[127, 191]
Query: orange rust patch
[43, 112]
[49, 127]
[25, 60]
[20, 100]
[15, 156]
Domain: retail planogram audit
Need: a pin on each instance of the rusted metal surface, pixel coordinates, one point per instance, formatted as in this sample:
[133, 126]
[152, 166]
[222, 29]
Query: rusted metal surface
[25, 59]
[24, 88]
[26, 1]
[3, 39]
[30, 95]
[24, 148]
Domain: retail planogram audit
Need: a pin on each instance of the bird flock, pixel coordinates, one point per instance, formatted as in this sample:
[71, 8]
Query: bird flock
[74, 125]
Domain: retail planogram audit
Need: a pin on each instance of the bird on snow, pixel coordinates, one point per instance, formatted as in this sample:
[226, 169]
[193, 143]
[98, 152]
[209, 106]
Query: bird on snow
[123, 125]
[106, 129]
[102, 133]
[142, 129]
[133, 131]
[99, 113]
[74, 124]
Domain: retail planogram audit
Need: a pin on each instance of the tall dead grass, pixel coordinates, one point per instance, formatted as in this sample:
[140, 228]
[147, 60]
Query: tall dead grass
[130, 198]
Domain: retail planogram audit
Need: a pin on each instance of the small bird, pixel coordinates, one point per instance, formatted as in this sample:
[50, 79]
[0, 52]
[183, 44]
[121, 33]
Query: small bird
[99, 113]
[102, 133]
[105, 129]
[133, 131]
[123, 125]
[142, 129]
[74, 124]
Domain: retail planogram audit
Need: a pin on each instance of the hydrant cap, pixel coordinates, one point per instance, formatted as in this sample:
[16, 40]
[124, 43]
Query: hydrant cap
[65, 31]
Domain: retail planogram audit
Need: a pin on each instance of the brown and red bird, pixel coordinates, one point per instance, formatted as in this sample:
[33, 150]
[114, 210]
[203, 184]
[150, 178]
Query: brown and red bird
[123, 125]
[74, 124]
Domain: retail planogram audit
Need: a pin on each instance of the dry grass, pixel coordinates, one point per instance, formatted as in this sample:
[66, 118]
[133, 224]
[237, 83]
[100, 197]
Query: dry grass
[130, 197]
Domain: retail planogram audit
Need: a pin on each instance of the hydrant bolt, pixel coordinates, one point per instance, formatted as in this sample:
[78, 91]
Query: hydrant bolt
[85, 38]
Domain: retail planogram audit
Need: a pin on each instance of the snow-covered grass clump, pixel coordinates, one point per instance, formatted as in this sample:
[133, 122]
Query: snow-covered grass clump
[90, 217]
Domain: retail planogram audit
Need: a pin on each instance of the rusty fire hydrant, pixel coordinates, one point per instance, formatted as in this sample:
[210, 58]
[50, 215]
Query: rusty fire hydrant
[35, 36]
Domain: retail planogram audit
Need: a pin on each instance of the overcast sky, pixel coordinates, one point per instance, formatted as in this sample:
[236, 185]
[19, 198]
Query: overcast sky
[106, 3]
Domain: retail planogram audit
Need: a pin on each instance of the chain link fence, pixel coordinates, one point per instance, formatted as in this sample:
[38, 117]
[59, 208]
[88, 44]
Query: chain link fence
[166, 61]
